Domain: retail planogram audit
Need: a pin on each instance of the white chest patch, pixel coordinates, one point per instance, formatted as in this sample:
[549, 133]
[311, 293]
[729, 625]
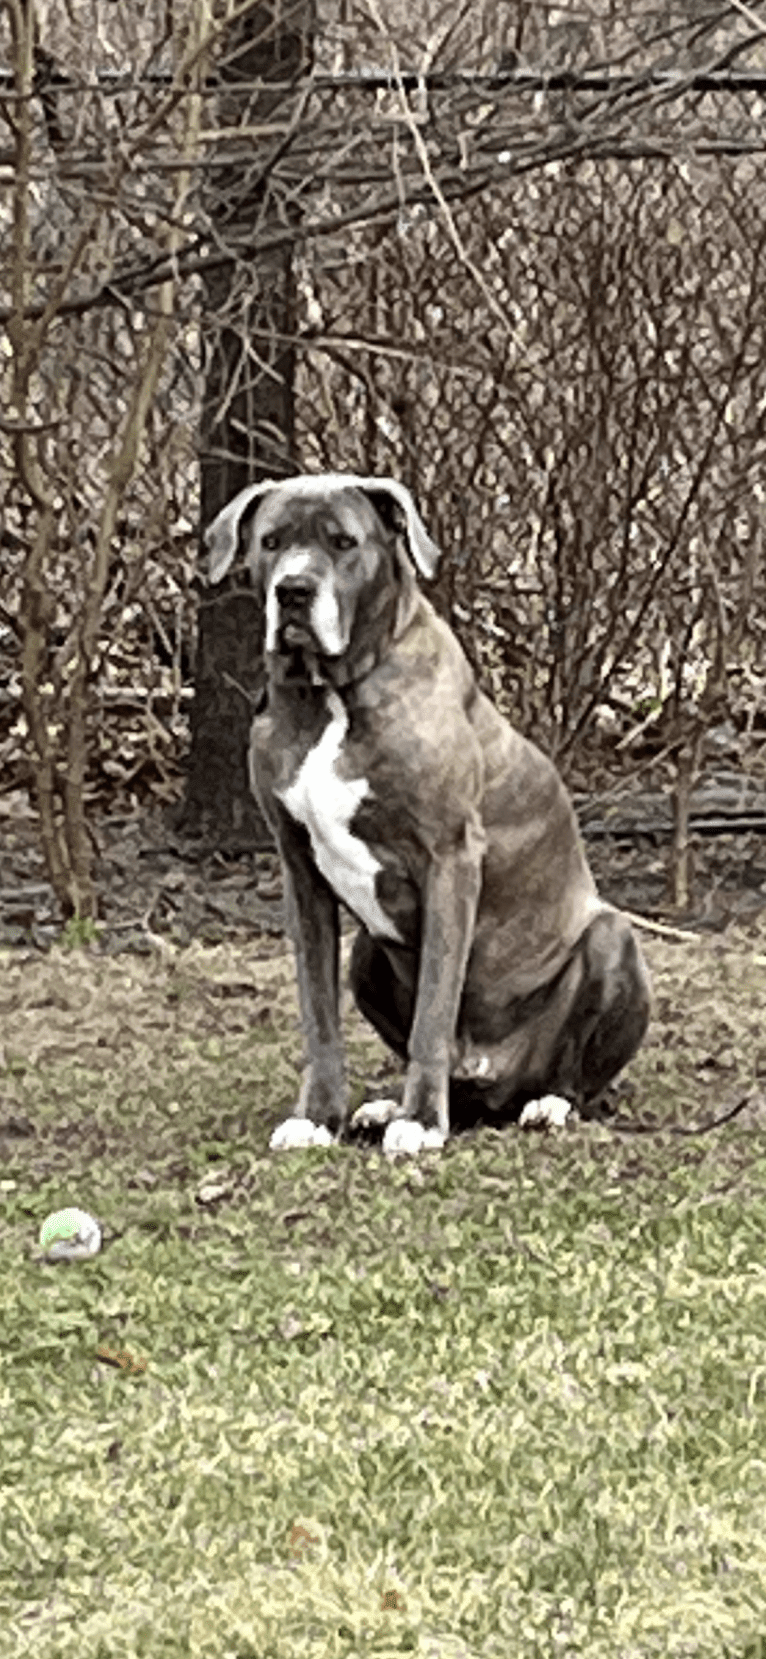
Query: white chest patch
[325, 804]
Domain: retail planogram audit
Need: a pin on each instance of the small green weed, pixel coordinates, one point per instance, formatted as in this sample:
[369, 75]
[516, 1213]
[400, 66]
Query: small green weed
[78, 932]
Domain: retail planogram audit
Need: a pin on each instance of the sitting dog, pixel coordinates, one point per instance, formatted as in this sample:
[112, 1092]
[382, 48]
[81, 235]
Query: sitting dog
[485, 957]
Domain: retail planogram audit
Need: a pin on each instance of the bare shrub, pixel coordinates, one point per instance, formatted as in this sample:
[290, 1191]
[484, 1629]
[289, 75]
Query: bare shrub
[526, 279]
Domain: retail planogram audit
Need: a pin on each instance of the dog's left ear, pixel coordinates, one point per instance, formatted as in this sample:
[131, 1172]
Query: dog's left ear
[222, 536]
[386, 494]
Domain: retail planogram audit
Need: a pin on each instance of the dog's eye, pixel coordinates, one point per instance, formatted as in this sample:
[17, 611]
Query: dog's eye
[343, 543]
[270, 541]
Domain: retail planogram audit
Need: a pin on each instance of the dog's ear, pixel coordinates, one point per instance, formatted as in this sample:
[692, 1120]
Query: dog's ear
[386, 495]
[222, 536]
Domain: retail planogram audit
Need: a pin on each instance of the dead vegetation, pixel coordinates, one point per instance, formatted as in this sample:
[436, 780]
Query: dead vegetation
[525, 277]
[93, 1044]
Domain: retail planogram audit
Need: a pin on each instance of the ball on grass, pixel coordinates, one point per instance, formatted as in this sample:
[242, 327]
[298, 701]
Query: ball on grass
[70, 1235]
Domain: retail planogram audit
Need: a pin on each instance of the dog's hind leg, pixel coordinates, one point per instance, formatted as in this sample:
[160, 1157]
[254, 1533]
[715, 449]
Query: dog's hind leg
[567, 1041]
[606, 1018]
[384, 997]
[611, 1012]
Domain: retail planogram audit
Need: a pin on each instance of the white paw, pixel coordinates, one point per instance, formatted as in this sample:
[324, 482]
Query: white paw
[404, 1138]
[299, 1132]
[372, 1114]
[550, 1112]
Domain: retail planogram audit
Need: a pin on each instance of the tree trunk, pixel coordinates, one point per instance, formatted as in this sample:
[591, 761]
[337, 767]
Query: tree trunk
[247, 424]
[681, 860]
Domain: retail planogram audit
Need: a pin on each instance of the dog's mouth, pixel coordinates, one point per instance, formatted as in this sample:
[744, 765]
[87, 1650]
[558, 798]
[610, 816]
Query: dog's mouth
[293, 634]
[299, 653]
[297, 656]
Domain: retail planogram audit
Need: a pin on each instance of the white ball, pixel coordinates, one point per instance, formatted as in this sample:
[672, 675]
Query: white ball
[70, 1235]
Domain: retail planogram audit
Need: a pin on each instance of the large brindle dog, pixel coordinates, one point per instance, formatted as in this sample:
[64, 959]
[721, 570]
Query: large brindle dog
[485, 956]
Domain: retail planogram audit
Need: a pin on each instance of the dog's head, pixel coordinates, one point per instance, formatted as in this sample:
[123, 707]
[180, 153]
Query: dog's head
[326, 553]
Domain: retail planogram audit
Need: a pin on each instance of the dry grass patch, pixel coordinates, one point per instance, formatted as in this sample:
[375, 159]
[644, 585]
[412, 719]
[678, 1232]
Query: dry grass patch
[509, 1400]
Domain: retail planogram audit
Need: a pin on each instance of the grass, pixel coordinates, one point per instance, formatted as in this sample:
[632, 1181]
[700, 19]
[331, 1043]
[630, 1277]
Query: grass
[509, 1401]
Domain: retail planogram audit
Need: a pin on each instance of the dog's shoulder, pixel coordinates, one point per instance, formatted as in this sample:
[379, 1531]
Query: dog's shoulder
[426, 665]
[519, 779]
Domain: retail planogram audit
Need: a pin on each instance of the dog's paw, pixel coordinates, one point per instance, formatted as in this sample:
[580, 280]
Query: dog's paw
[550, 1112]
[404, 1138]
[299, 1132]
[374, 1114]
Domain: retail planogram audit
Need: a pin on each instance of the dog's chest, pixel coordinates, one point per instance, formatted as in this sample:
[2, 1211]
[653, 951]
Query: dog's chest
[325, 802]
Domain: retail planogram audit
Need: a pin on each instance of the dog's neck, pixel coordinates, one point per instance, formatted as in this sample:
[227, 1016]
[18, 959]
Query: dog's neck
[303, 668]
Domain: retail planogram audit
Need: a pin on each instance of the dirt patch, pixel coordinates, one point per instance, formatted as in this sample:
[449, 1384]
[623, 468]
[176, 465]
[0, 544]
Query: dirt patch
[191, 961]
[151, 882]
[83, 1027]
[154, 881]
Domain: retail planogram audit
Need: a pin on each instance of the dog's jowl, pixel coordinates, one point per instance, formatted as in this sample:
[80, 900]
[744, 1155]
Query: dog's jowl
[484, 957]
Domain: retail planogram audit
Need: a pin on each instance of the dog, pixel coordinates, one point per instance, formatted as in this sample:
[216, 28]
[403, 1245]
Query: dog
[485, 957]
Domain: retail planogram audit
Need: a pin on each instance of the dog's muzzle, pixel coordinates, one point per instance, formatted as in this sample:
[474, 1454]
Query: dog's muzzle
[295, 598]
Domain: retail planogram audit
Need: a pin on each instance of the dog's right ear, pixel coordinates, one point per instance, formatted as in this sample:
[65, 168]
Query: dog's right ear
[222, 536]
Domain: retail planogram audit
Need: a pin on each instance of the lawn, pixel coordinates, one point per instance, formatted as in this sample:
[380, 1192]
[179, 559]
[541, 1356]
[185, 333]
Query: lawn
[507, 1401]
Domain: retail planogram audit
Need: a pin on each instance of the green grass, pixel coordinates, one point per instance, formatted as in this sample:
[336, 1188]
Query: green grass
[510, 1401]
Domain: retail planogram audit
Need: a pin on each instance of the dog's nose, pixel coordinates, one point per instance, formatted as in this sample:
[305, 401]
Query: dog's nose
[294, 593]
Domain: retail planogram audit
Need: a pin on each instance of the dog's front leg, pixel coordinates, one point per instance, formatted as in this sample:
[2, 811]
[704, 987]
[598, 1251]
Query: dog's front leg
[313, 923]
[450, 902]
